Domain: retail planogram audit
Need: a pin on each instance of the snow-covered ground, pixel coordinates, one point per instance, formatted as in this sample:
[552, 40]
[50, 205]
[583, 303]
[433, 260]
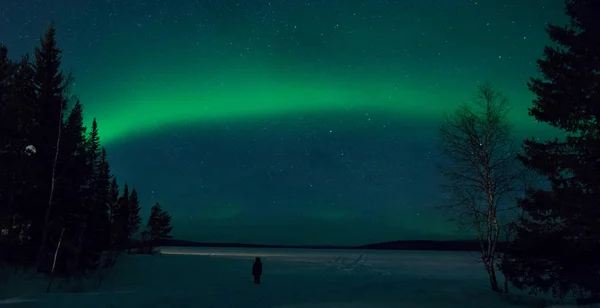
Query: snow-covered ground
[220, 277]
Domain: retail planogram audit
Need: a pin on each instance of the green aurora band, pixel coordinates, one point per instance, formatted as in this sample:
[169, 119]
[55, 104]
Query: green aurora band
[153, 102]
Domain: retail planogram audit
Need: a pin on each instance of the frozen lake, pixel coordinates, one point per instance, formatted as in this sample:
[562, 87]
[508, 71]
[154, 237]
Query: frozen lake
[221, 277]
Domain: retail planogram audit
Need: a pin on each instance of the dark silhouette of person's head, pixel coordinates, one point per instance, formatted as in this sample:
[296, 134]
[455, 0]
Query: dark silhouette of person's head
[257, 259]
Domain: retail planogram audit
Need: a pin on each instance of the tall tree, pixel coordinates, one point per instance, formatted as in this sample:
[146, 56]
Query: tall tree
[134, 220]
[23, 173]
[90, 172]
[113, 198]
[93, 152]
[102, 211]
[17, 103]
[71, 192]
[158, 227]
[57, 202]
[557, 247]
[7, 70]
[7, 150]
[480, 170]
[98, 222]
[19, 116]
[121, 220]
[51, 86]
[113, 215]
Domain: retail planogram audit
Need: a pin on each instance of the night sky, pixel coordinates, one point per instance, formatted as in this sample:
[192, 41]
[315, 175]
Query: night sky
[287, 122]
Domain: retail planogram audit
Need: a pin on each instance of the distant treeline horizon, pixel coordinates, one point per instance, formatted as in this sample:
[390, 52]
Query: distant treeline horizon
[436, 245]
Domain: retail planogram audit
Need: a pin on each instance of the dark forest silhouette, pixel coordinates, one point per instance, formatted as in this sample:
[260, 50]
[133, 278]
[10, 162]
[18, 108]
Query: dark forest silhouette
[557, 243]
[61, 210]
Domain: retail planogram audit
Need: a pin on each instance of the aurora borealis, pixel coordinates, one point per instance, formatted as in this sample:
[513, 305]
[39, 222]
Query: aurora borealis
[287, 122]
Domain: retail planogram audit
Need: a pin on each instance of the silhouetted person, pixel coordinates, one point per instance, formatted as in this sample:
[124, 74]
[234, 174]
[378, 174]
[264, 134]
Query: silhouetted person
[257, 270]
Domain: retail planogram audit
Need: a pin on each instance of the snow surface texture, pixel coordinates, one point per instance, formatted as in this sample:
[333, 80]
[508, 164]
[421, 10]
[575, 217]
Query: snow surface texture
[221, 277]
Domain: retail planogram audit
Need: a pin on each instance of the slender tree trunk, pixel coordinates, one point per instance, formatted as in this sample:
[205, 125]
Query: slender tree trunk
[492, 238]
[42, 250]
[489, 266]
[54, 262]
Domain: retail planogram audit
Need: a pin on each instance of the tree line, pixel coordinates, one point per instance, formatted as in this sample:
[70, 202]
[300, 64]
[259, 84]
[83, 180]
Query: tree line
[552, 229]
[61, 209]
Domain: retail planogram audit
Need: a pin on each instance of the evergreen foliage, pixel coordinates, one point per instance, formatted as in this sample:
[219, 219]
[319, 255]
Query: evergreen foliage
[557, 246]
[56, 183]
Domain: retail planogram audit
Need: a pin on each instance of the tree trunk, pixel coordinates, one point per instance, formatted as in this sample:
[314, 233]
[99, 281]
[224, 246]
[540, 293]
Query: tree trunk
[489, 267]
[54, 262]
[42, 250]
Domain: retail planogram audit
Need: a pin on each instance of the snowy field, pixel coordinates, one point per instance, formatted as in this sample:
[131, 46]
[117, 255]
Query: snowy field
[220, 277]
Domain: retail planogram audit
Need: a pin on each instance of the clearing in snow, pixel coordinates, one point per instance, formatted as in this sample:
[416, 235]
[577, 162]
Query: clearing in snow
[292, 278]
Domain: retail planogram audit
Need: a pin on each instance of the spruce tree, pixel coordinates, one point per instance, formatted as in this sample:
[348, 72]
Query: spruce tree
[7, 72]
[121, 220]
[8, 150]
[50, 88]
[158, 227]
[91, 173]
[98, 223]
[19, 116]
[134, 220]
[55, 181]
[92, 224]
[23, 169]
[557, 246]
[93, 151]
[7, 127]
[113, 200]
[102, 210]
[113, 216]
[71, 190]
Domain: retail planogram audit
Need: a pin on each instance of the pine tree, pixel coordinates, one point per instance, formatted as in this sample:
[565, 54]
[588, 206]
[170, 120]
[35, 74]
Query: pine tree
[94, 221]
[55, 182]
[90, 172]
[104, 186]
[7, 127]
[17, 173]
[134, 220]
[50, 86]
[121, 220]
[113, 199]
[98, 223]
[7, 72]
[93, 151]
[8, 152]
[72, 192]
[557, 246]
[158, 227]
[113, 215]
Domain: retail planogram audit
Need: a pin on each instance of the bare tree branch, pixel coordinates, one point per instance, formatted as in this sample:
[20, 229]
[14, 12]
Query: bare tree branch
[481, 171]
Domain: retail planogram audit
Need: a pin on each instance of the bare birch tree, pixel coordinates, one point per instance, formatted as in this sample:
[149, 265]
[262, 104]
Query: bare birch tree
[481, 171]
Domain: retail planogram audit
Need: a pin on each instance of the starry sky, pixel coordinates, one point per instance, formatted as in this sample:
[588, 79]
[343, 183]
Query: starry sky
[290, 121]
